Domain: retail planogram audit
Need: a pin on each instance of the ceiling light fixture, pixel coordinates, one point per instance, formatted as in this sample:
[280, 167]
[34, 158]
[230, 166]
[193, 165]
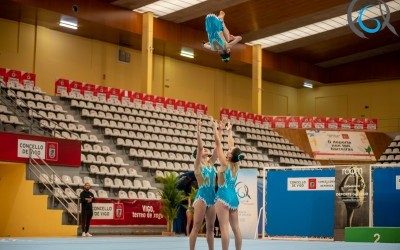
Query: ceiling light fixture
[68, 25]
[320, 27]
[187, 52]
[165, 7]
[68, 22]
[308, 85]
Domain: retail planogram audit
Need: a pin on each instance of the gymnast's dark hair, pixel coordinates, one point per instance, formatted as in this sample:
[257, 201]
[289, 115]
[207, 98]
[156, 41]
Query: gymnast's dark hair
[237, 155]
[225, 56]
[194, 154]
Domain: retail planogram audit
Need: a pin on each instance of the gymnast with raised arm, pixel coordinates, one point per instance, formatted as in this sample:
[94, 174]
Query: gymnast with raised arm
[227, 201]
[204, 201]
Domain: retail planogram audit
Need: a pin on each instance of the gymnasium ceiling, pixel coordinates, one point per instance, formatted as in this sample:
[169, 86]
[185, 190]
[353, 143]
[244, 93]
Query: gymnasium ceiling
[334, 56]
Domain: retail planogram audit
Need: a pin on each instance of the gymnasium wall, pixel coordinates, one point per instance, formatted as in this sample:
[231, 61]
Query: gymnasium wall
[24, 214]
[51, 54]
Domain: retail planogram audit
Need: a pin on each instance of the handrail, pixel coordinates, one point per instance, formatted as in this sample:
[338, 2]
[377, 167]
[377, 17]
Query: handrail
[38, 169]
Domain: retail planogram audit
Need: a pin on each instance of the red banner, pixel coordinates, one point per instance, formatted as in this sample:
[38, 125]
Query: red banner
[137, 98]
[279, 121]
[201, 109]
[13, 76]
[319, 122]
[148, 100]
[3, 75]
[224, 114]
[75, 87]
[89, 90]
[170, 103]
[371, 124]
[306, 122]
[346, 123]
[293, 122]
[127, 212]
[160, 101]
[102, 93]
[332, 123]
[61, 86]
[15, 148]
[28, 79]
[181, 105]
[358, 123]
[114, 94]
[268, 121]
[191, 107]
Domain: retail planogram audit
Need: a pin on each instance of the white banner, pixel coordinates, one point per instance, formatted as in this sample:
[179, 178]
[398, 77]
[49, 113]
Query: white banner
[397, 182]
[38, 149]
[246, 188]
[103, 211]
[340, 145]
[311, 183]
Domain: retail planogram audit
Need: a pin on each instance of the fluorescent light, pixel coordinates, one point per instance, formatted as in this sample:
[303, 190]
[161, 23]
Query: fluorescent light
[322, 26]
[68, 22]
[68, 25]
[186, 54]
[308, 85]
[165, 7]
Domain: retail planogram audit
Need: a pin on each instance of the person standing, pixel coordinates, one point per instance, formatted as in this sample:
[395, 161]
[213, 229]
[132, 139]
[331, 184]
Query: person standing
[87, 199]
[204, 201]
[227, 201]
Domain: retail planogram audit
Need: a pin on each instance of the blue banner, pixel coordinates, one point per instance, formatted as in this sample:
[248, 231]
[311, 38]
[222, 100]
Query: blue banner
[300, 207]
[386, 199]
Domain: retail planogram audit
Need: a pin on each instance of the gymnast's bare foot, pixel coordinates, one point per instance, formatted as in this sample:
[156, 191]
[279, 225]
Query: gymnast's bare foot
[221, 15]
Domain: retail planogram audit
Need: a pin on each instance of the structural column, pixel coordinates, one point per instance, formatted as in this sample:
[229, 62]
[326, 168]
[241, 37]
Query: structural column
[147, 53]
[256, 80]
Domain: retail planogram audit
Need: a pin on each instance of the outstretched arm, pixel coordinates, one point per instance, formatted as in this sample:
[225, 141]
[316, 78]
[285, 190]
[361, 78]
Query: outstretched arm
[214, 156]
[218, 146]
[231, 141]
[199, 146]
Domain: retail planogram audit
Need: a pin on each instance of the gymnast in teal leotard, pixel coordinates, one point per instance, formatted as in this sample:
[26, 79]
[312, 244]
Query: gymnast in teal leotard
[219, 38]
[204, 202]
[227, 201]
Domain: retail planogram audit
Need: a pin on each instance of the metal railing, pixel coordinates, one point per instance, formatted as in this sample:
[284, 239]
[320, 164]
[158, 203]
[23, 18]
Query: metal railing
[47, 176]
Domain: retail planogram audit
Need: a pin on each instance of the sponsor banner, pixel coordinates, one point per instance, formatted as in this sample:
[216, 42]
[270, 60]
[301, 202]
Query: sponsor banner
[148, 100]
[293, 122]
[311, 184]
[89, 90]
[61, 86]
[352, 197]
[127, 212]
[306, 122]
[191, 107]
[38, 149]
[224, 114]
[15, 148]
[201, 109]
[280, 121]
[340, 145]
[3, 75]
[75, 87]
[246, 189]
[13, 76]
[102, 93]
[28, 79]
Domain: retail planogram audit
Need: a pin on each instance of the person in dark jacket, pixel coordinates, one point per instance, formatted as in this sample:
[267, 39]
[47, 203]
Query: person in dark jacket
[87, 199]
